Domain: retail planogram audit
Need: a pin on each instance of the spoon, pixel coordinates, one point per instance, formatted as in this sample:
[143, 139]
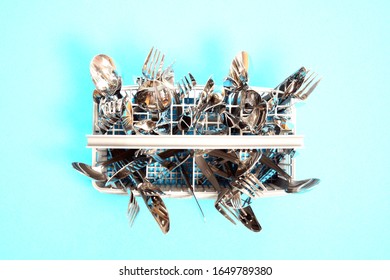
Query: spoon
[104, 75]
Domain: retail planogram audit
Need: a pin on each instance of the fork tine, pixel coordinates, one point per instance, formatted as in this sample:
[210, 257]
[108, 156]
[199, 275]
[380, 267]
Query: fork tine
[231, 212]
[155, 63]
[146, 63]
[186, 89]
[193, 81]
[132, 207]
[306, 95]
[258, 184]
[219, 206]
[182, 91]
[249, 185]
[243, 188]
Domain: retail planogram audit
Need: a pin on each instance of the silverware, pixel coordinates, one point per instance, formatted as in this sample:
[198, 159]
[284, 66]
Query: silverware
[104, 75]
[249, 184]
[127, 116]
[242, 212]
[253, 110]
[184, 122]
[96, 95]
[151, 196]
[89, 171]
[189, 186]
[247, 165]
[239, 69]
[152, 68]
[153, 96]
[233, 121]
[298, 85]
[248, 218]
[207, 172]
[145, 126]
[304, 91]
[293, 186]
[186, 85]
[127, 169]
[132, 206]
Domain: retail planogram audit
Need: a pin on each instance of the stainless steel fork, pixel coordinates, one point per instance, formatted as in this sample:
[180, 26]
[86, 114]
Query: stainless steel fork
[132, 206]
[185, 120]
[152, 68]
[298, 85]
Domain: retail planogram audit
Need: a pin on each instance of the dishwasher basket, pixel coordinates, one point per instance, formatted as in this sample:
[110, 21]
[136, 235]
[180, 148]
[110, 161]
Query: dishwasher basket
[173, 185]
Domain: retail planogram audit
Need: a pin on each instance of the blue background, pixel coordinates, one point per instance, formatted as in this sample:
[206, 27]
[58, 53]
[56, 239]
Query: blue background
[49, 211]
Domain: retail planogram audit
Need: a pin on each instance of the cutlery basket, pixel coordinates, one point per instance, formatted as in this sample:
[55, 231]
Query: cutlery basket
[173, 184]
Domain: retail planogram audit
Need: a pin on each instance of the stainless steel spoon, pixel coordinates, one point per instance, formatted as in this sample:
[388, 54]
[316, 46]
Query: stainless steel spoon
[104, 75]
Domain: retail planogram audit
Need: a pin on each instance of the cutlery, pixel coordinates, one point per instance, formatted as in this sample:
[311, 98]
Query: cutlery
[189, 186]
[132, 206]
[104, 75]
[151, 196]
[207, 172]
[152, 68]
[89, 171]
[293, 186]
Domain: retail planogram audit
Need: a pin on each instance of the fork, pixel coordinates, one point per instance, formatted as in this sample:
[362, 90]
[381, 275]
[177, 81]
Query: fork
[189, 186]
[132, 207]
[149, 69]
[127, 169]
[151, 195]
[304, 91]
[185, 86]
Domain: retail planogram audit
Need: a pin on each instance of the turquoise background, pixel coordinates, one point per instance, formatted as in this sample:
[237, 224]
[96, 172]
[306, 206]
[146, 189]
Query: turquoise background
[49, 211]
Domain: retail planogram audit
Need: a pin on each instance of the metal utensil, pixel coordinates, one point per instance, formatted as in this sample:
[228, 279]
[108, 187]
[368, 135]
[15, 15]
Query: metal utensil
[151, 196]
[190, 187]
[239, 69]
[132, 206]
[254, 110]
[241, 211]
[89, 171]
[153, 96]
[129, 168]
[152, 68]
[186, 85]
[249, 184]
[127, 116]
[298, 85]
[104, 75]
[293, 186]
[207, 172]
